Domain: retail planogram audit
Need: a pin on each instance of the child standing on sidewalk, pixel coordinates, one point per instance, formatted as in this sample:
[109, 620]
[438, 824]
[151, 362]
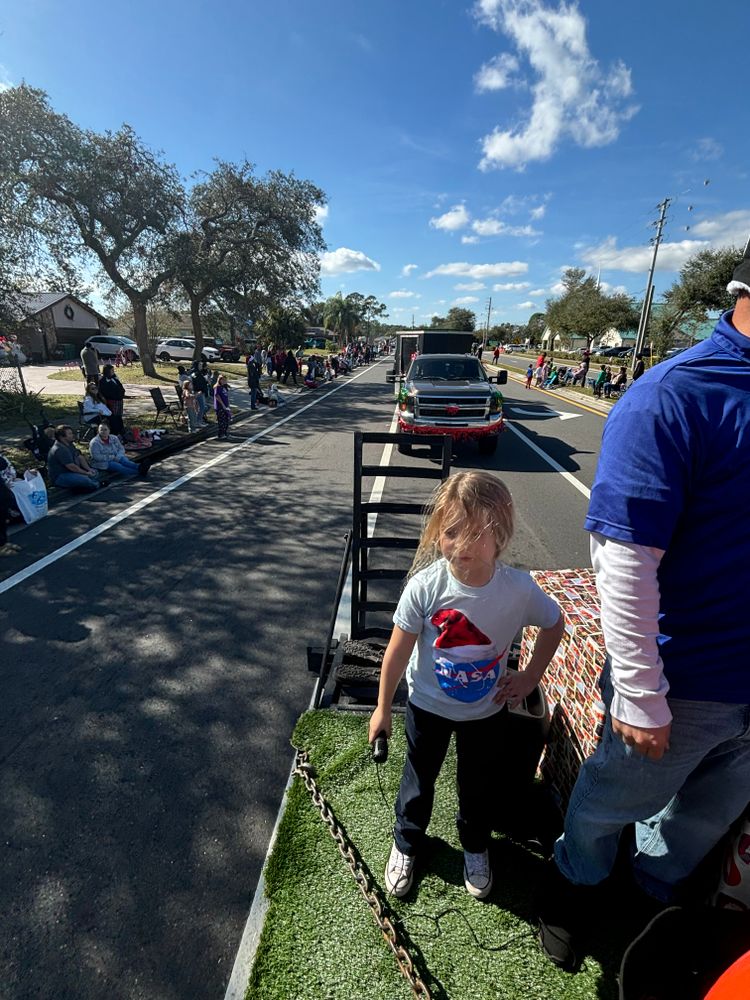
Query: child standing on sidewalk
[529, 375]
[456, 619]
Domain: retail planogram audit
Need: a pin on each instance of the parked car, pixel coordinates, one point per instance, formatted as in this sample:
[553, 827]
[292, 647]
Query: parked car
[182, 349]
[227, 352]
[109, 346]
[673, 353]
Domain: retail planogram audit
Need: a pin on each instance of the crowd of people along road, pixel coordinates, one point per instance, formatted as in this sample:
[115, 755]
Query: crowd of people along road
[608, 382]
[313, 370]
[670, 547]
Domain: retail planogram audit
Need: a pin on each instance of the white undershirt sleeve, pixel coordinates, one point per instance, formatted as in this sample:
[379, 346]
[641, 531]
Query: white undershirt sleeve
[626, 578]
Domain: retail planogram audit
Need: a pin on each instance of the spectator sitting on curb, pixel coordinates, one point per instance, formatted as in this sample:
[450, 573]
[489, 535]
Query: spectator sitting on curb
[66, 466]
[94, 407]
[108, 455]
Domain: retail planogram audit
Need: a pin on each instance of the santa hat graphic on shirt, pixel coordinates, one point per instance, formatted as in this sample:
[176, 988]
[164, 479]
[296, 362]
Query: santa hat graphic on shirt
[459, 638]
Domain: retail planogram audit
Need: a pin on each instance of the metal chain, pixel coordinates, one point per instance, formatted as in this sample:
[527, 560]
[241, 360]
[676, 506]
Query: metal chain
[372, 894]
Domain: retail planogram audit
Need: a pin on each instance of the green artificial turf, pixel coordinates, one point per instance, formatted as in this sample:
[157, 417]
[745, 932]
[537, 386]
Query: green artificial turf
[320, 941]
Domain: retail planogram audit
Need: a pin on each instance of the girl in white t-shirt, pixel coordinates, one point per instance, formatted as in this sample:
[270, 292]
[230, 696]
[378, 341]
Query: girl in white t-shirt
[454, 623]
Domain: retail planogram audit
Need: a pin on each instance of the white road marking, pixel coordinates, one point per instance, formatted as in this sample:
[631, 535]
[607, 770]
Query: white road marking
[243, 963]
[88, 536]
[551, 462]
[519, 412]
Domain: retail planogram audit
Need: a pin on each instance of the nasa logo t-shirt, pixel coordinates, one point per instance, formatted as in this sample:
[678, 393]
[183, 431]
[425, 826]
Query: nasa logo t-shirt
[464, 636]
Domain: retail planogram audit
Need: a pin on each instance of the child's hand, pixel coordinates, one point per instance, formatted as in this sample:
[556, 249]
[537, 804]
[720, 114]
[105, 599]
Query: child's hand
[380, 722]
[513, 687]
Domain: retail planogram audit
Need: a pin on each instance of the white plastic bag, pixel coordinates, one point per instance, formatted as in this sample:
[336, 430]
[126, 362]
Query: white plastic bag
[31, 496]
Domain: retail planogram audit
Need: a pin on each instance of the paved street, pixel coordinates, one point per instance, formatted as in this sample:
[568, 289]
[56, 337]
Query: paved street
[152, 676]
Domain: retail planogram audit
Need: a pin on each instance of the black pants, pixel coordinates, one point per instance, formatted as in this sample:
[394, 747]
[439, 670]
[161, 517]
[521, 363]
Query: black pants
[483, 752]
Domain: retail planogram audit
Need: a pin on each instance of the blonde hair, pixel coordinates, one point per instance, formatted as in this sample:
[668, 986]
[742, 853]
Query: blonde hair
[465, 499]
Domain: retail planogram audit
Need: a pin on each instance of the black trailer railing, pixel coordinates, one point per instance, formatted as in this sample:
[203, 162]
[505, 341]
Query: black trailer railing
[350, 664]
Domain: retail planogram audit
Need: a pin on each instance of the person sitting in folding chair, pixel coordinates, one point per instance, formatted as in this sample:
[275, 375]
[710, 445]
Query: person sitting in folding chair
[94, 407]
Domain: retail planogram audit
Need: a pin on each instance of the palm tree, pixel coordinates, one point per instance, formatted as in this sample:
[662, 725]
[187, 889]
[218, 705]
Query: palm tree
[341, 316]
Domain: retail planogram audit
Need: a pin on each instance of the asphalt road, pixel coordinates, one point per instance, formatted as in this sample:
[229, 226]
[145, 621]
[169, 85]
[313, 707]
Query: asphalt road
[151, 679]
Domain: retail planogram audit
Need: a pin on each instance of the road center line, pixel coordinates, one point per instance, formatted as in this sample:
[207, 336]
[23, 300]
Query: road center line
[551, 462]
[88, 536]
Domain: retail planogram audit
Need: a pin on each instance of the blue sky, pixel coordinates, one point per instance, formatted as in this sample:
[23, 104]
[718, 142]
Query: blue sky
[467, 150]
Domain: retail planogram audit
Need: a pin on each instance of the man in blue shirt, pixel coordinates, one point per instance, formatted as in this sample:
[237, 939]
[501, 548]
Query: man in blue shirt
[670, 544]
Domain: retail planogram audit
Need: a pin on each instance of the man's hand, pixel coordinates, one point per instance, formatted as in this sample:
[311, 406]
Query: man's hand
[651, 743]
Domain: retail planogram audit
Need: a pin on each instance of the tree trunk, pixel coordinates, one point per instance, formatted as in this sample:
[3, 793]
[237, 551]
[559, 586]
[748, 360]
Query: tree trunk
[141, 336]
[195, 319]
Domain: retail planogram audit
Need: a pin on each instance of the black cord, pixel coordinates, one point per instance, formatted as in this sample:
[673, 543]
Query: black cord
[436, 918]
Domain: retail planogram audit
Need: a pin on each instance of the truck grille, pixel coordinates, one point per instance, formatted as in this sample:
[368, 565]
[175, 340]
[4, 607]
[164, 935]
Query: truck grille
[440, 409]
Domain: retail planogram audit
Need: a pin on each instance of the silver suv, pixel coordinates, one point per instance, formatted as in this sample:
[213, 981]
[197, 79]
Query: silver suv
[182, 349]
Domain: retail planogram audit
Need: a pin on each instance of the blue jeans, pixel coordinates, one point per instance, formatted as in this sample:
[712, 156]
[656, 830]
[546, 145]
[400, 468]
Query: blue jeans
[74, 481]
[253, 396]
[202, 402]
[124, 467]
[682, 805]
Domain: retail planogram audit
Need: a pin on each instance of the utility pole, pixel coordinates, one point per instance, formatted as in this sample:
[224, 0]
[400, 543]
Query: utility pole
[649, 296]
[487, 327]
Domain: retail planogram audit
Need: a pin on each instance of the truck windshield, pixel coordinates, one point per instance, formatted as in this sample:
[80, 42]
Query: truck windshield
[446, 369]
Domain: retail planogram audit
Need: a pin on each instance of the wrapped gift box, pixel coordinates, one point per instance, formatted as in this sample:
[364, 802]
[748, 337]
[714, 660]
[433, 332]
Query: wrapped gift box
[571, 681]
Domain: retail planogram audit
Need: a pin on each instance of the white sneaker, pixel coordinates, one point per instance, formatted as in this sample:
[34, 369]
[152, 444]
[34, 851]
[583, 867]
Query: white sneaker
[399, 872]
[477, 874]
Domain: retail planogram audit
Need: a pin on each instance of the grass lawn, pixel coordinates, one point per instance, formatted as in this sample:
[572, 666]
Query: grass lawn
[320, 941]
[133, 374]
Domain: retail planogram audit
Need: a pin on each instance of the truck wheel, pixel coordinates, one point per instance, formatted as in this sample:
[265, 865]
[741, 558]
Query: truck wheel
[487, 445]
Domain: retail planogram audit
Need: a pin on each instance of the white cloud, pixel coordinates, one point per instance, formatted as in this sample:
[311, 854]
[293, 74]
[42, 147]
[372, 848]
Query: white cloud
[708, 149]
[469, 239]
[321, 213]
[728, 229]
[5, 81]
[557, 289]
[538, 212]
[572, 97]
[480, 271]
[496, 74]
[526, 305]
[403, 294]
[407, 269]
[455, 218]
[470, 286]
[496, 227]
[465, 300]
[637, 259]
[511, 286]
[537, 291]
[344, 260]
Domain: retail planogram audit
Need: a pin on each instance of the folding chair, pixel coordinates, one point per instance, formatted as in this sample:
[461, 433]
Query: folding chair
[180, 401]
[163, 408]
[86, 429]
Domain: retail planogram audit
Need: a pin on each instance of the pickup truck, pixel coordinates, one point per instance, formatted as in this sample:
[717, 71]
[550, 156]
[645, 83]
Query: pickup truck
[451, 394]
